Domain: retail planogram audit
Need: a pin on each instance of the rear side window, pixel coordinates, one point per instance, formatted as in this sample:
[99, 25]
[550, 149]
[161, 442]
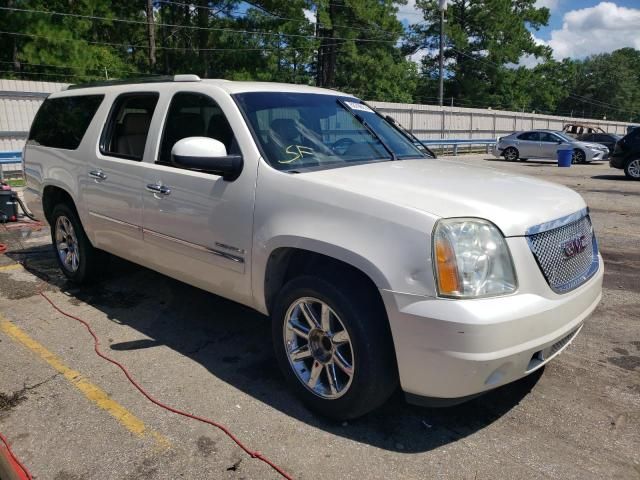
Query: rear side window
[634, 136]
[62, 122]
[531, 136]
[125, 133]
[548, 137]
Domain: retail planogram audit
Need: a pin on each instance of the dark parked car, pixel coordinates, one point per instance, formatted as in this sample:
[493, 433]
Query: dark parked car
[609, 140]
[626, 155]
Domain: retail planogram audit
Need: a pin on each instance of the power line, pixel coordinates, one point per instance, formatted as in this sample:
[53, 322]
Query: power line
[275, 16]
[192, 27]
[46, 74]
[160, 47]
[596, 102]
[100, 69]
[603, 105]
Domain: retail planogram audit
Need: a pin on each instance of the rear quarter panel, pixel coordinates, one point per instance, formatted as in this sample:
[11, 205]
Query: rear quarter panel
[66, 169]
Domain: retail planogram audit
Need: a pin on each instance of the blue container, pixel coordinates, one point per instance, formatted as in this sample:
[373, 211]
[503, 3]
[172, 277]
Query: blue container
[564, 157]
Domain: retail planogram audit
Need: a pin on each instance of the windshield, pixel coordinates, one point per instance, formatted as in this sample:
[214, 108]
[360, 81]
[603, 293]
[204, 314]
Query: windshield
[306, 130]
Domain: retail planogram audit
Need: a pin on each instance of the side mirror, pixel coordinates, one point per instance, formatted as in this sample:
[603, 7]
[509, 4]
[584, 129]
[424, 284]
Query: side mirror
[207, 155]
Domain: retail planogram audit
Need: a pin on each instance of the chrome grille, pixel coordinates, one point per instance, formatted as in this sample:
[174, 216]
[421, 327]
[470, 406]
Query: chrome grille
[566, 251]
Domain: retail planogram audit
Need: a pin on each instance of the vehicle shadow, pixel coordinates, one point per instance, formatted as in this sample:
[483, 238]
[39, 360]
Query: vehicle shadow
[233, 343]
[537, 162]
[525, 162]
[621, 177]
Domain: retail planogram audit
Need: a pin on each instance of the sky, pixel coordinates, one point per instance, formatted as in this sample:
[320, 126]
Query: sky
[577, 28]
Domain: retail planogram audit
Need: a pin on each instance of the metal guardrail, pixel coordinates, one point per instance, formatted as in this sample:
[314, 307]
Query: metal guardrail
[14, 134]
[18, 94]
[457, 142]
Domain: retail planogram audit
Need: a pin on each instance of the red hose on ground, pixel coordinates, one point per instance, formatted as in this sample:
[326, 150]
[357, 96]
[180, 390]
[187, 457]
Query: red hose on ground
[14, 463]
[225, 430]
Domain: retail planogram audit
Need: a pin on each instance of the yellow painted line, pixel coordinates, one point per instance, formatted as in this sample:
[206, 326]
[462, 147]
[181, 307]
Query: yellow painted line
[93, 393]
[12, 266]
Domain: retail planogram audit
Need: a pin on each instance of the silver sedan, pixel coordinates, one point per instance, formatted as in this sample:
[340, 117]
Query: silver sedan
[545, 144]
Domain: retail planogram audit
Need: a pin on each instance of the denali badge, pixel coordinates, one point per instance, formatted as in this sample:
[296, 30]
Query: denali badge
[574, 246]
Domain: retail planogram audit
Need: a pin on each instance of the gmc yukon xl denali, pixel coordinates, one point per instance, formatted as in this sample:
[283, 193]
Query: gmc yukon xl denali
[378, 264]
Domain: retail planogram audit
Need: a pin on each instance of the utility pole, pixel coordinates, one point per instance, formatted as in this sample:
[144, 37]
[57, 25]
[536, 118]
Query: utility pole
[151, 35]
[442, 4]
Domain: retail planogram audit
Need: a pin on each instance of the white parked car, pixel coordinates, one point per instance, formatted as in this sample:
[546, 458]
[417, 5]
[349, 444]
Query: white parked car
[545, 144]
[378, 265]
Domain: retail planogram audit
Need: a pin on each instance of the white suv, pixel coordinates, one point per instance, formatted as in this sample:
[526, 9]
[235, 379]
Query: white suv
[378, 264]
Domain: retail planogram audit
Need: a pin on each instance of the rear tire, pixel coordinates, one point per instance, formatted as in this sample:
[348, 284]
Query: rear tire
[79, 261]
[632, 169]
[511, 154]
[343, 368]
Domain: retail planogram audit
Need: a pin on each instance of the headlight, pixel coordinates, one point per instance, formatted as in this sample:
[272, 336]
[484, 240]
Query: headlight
[471, 259]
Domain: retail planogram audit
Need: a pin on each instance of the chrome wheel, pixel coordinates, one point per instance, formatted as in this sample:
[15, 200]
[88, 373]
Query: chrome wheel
[511, 154]
[67, 244]
[633, 168]
[578, 157]
[318, 347]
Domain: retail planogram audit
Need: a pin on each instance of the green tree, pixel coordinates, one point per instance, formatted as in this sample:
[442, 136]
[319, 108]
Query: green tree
[358, 49]
[606, 85]
[482, 38]
[58, 47]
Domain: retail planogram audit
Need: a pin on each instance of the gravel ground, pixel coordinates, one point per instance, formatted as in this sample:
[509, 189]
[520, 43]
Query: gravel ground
[577, 419]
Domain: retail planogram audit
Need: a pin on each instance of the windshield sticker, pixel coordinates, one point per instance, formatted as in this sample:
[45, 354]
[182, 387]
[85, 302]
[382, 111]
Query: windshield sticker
[358, 106]
[298, 152]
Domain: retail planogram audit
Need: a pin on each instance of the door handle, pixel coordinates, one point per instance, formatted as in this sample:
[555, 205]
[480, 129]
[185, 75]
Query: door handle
[98, 175]
[158, 189]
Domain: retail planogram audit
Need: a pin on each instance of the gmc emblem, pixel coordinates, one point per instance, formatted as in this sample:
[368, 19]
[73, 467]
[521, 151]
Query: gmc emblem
[574, 246]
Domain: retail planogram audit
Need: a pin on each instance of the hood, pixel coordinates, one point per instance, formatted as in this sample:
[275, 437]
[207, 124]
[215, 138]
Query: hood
[451, 189]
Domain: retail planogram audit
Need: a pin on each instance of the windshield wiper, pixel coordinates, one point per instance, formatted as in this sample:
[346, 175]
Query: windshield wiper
[403, 131]
[368, 127]
[410, 136]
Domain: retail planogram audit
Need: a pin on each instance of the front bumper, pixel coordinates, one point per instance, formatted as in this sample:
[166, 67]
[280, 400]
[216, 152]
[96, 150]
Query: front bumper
[617, 161]
[449, 349]
[595, 155]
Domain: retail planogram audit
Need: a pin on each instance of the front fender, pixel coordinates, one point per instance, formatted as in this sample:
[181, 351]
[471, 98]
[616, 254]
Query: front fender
[389, 243]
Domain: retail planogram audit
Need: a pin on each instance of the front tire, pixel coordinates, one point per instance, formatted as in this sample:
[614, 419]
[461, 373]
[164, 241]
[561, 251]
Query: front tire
[79, 261]
[511, 154]
[632, 169]
[578, 157]
[333, 344]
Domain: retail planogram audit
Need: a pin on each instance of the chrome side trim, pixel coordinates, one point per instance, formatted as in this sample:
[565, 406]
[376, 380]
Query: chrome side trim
[558, 222]
[113, 220]
[202, 248]
[229, 247]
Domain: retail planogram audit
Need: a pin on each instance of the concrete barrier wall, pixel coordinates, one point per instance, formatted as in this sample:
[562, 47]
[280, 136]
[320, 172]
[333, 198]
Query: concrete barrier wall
[434, 122]
[20, 100]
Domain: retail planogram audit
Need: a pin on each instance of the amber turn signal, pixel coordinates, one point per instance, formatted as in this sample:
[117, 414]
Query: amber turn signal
[448, 281]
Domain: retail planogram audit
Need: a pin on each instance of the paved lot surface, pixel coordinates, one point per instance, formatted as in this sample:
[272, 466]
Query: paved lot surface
[71, 415]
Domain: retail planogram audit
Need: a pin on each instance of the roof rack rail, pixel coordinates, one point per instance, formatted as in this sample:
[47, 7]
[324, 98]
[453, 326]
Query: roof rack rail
[133, 81]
